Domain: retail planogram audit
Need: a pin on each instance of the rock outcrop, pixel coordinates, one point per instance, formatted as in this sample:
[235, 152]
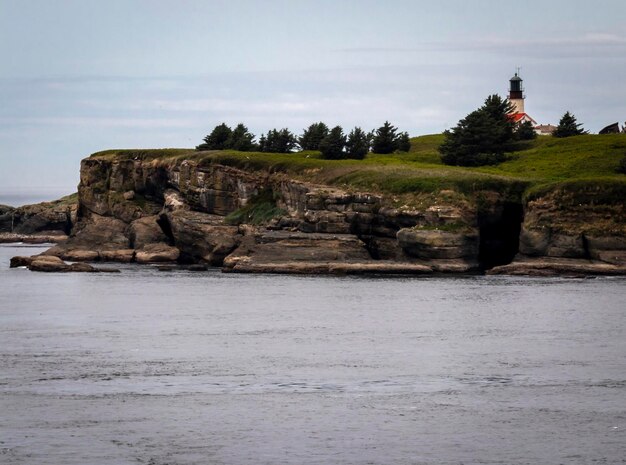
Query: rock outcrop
[201, 237]
[550, 266]
[172, 210]
[158, 252]
[98, 238]
[38, 223]
[52, 264]
[437, 244]
[571, 232]
[152, 212]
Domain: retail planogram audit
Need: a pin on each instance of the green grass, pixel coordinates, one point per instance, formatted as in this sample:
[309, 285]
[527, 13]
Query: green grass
[260, 209]
[63, 201]
[579, 157]
[68, 199]
[142, 154]
[539, 166]
[589, 191]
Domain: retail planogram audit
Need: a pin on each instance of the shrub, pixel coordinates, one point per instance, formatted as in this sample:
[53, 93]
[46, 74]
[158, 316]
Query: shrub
[568, 127]
[525, 131]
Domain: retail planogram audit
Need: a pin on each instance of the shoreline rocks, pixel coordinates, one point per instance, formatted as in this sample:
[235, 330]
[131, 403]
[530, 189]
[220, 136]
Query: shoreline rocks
[52, 264]
[550, 266]
[47, 238]
[157, 253]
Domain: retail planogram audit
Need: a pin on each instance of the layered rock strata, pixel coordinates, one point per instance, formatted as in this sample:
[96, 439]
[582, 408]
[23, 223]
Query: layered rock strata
[167, 211]
[134, 210]
[567, 233]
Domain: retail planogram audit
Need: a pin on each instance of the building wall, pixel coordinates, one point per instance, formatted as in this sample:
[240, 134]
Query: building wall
[519, 105]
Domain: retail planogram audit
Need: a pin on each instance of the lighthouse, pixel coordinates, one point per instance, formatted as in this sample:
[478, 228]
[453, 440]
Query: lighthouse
[516, 97]
[516, 93]
[518, 114]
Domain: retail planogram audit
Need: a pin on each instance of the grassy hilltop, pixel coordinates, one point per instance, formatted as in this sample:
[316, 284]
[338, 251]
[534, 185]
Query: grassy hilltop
[577, 164]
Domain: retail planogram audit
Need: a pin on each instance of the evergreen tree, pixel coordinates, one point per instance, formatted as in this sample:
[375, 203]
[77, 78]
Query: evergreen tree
[240, 139]
[287, 141]
[262, 143]
[282, 141]
[357, 144]
[525, 131]
[499, 110]
[311, 137]
[271, 141]
[333, 144]
[217, 140]
[568, 127]
[482, 137]
[403, 142]
[385, 139]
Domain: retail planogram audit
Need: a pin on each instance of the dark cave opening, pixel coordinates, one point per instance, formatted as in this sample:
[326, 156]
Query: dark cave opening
[499, 235]
[164, 223]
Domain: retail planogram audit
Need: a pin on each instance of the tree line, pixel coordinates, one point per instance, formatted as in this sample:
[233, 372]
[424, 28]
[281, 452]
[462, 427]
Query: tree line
[486, 134]
[333, 143]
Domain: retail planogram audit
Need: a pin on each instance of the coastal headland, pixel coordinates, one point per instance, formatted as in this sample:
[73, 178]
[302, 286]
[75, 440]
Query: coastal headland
[555, 207]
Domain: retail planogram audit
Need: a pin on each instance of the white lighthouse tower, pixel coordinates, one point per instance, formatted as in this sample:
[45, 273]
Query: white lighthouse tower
[517, 97]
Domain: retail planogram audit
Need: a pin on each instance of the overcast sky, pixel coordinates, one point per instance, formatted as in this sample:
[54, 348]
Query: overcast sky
[79, 76]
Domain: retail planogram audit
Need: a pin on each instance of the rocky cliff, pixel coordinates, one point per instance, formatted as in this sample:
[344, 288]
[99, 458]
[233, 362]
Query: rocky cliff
[177, 210]
[180, 209]
[570, 229]
[42, 222]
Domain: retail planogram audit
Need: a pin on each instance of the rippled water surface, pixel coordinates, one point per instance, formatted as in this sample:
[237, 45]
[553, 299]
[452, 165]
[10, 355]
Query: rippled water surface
[209, 368]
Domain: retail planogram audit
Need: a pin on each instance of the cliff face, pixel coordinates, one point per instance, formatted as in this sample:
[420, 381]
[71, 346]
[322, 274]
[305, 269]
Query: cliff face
[552, 230]
[165, 210]
[153, 211]
[572, 229]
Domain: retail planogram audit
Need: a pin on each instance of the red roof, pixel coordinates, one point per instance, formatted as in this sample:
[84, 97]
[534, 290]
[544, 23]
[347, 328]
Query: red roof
[517, 117]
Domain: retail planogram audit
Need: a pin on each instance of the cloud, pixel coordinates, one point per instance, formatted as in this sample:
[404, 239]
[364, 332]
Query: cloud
[594, 43]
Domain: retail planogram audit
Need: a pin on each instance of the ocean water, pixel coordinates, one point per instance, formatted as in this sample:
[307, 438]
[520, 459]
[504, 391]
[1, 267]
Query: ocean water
[149, 367]
[13, 199]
